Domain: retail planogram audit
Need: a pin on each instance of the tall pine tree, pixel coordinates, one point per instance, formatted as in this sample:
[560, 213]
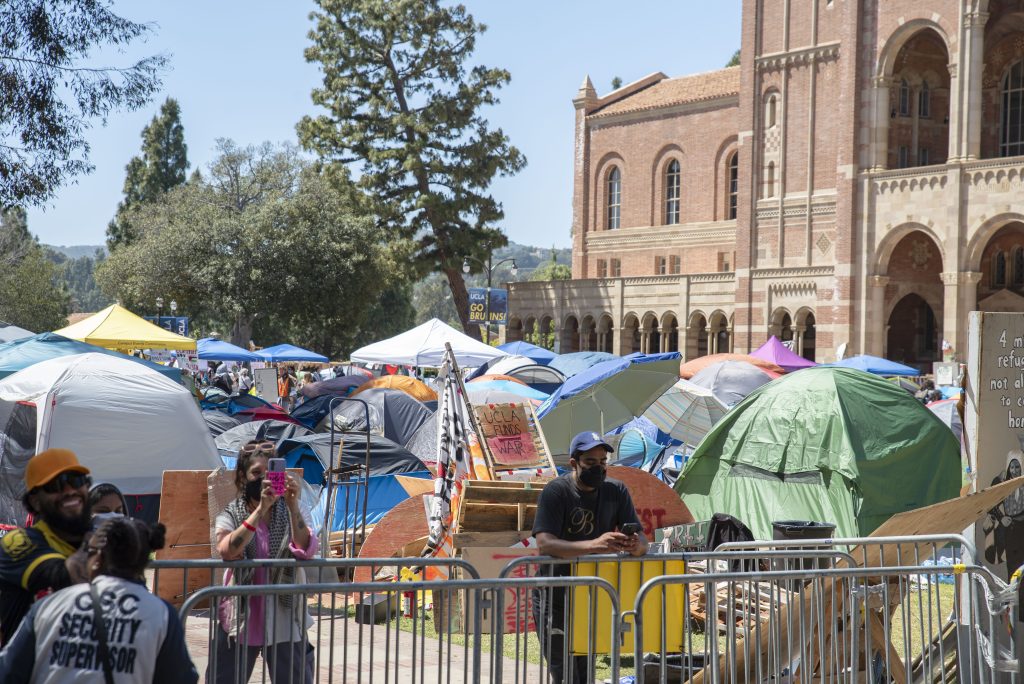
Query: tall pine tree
[403, 108]
[162, 165]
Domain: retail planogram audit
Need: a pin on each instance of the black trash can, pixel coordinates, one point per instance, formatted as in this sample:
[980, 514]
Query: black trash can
[785, 530]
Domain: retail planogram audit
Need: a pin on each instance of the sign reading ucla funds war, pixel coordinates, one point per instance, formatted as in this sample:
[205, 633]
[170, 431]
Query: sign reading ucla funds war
[478, 310]
[994, 422]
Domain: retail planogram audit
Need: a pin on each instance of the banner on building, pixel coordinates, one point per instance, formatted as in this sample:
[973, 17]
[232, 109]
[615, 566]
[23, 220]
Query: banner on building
[480, 312]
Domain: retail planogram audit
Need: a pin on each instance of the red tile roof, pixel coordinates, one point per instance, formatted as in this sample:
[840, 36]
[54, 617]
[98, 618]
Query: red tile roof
[675, 91]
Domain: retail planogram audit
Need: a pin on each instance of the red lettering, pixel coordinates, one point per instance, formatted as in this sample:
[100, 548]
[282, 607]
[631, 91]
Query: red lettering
[651, 518]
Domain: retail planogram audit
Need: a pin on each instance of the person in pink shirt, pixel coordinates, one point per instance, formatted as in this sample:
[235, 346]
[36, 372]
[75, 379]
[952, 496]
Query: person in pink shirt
[258, 524]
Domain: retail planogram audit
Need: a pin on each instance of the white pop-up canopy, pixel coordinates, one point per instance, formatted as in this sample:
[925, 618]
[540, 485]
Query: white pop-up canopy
[127, 423]
[424, 346]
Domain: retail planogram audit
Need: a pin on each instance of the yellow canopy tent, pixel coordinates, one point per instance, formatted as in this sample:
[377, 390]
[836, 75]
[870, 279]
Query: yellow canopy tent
[119, 329]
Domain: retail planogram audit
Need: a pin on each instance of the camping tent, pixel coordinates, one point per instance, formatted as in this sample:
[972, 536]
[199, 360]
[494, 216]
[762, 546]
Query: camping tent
[312, 452]
[127, 426]
[287, 352]
[393, 414]
[774, 351]
[230, 441]
[876, 366]
[20, 354]
[531, 351]
[10, 333]
[210, 349]
[576, 362]
[810, 446]
[118, 328]
[424, 345]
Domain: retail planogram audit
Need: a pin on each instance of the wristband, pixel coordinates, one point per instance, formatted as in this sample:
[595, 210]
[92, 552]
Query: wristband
[247, 525]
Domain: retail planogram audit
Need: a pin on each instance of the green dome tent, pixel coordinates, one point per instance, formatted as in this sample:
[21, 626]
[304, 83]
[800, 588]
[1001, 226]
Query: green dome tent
[827, 444]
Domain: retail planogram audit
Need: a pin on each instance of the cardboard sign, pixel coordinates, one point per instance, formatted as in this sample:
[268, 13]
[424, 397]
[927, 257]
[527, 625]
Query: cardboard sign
[994, 424]
[517, 615]
[507, 432]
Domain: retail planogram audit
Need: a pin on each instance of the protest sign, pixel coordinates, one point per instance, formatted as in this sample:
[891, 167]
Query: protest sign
[511, 437]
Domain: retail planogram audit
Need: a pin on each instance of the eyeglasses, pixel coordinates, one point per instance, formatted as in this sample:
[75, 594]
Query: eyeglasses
[57, 484]
[258, 447]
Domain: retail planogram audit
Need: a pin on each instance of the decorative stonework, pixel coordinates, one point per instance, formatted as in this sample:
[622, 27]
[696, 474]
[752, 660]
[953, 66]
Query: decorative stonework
[823, 243]
[802, 57]
[879, 281]
[790, 288]
[920, 255]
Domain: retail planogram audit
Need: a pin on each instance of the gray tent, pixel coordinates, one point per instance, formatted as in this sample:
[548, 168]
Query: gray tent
[219, 422]
[230, 441]
[393, 414]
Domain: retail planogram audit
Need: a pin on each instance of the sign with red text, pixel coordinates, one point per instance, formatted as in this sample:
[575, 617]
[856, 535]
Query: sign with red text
[510, 437]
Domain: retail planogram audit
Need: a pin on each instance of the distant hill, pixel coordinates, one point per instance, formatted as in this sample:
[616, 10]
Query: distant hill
[76, 251]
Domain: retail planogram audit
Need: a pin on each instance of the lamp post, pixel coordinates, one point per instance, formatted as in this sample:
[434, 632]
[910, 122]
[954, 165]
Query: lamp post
[174, 312]
[489, 269]
[159, 310]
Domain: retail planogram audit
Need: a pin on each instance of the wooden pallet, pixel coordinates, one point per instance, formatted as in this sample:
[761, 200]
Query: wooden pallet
[495, 513]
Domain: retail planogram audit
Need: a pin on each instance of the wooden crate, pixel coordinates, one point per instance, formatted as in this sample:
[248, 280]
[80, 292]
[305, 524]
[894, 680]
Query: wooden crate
[495, 513]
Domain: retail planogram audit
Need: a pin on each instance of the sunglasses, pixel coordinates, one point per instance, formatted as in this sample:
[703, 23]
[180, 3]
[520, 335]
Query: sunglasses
[74, 480]
[258, 448]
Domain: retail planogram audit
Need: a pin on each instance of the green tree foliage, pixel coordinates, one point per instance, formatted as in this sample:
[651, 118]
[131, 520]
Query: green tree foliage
[541, 338]
[162, 165]
[552, 270]
[260, 247]
[76, 275]
[30, 296]
[403, 107]
[51, 93]
[616, 83]
[735, 61]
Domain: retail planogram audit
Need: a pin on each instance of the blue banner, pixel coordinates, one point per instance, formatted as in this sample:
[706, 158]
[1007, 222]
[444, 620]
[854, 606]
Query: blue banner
[175, 324]
[479, 311]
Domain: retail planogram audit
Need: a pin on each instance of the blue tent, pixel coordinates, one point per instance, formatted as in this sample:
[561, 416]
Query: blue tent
[530, 351]
[577, 362]
[210, 349]
[288, 352]
[384, 493]
[876, 365]
[19, 354]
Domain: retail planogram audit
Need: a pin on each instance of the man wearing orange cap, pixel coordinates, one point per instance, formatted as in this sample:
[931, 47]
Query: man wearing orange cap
[45, 557]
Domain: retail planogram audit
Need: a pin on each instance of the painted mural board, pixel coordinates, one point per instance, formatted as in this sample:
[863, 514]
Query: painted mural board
[994, 432]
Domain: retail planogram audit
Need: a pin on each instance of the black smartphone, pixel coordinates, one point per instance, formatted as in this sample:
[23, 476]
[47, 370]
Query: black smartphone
[629, 529]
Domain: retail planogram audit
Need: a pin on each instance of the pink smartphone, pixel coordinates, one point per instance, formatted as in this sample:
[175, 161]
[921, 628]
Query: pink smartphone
[276, 475]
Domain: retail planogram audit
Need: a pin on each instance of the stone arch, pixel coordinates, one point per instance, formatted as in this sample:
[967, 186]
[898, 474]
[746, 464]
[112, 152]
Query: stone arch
[918, 122]
[885, 247]
[806, 333]
[545, 334]
[629, 340]
[914, 331]
[697, 341]
[984, 234]
[605, 333]
[514, 329]
[719, 333]
[588, 333]
[669, 332]
[1002, 50]
[1001, 284]
[600, 186]
[650, 337]
[902, 35]
[570, 335]
[781, 324]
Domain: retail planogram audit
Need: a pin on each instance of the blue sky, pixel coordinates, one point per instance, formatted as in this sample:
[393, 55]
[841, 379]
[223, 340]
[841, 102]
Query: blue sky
[238, 72]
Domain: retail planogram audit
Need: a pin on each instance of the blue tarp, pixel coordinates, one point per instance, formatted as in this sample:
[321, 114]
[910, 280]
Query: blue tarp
[598, 372]
[288, 352]
[209, 349]
[530, 351]
[385, 493]
[876, 365]
[577, 362]
[20, 354]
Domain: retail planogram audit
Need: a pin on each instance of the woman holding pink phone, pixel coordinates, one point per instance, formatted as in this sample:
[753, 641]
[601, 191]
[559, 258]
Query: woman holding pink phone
[264, 521]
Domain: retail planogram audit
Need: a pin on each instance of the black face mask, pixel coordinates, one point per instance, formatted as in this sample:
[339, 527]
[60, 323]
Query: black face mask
[254, 489]
[592, 476]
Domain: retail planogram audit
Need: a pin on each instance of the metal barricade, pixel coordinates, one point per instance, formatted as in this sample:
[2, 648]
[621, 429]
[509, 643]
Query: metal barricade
[844, 624]
[481, 635]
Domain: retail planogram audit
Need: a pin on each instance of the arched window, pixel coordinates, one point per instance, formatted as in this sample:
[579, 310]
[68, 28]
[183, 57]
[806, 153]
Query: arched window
[924, 102]
[770, 118]
[904, 99]
[614, 198]
[769, 181]
[1018, 267]
[1011, 138]
[999, 269]
[734, 184]
[672, 182]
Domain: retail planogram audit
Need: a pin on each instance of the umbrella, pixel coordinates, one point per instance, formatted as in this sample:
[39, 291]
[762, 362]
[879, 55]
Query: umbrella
[210, 349]
[341, 385]
[691, 368]
[876, 366]
[606, 396]
[775, 352]
[288, 352]
[530, 351]
[686, 411]
[577, 362]
[946, 411]
[492, 396]
[731, 381]
[411, 386]
[517, 388]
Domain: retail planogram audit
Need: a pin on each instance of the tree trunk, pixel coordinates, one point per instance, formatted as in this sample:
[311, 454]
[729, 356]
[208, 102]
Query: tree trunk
[460, 296]
[241, 330]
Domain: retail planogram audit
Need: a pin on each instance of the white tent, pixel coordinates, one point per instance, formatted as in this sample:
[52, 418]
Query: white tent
[10, 333]
[424, 346]
[126, 423]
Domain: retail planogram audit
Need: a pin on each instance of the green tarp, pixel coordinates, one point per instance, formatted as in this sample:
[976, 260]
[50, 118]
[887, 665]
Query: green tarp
[825, 444]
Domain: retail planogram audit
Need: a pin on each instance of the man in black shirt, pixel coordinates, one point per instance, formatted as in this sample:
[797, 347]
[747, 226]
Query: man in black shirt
[41, 559]
[578, 514]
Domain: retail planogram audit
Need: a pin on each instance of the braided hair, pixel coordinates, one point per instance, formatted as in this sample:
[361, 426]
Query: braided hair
[125, 545]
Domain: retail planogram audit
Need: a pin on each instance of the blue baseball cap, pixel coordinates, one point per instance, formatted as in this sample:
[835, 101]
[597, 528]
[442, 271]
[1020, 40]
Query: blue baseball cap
[585, 441]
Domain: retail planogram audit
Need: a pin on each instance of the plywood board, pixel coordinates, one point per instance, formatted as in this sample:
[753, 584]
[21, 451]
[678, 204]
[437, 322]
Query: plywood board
[403, 524]
[657, 505]
[415, 486]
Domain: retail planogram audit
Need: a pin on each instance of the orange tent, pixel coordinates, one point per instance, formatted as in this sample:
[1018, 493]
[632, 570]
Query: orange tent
[690, 368]
[497, 376]
[411, 386]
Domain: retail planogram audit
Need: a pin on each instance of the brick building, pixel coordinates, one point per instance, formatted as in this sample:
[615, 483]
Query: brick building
[857, 179]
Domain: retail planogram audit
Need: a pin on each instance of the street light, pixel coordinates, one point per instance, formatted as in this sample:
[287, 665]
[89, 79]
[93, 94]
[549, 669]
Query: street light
[174, 307]
[489, 269]
[159, 309]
